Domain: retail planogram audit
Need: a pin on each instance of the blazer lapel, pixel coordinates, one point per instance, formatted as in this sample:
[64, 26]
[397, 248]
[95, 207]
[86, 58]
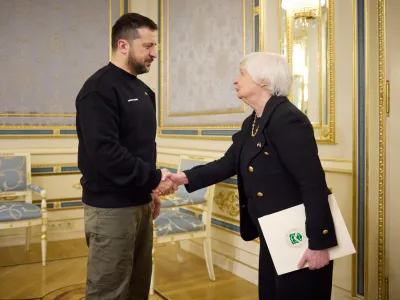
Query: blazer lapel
[241, 138]
[261, 139]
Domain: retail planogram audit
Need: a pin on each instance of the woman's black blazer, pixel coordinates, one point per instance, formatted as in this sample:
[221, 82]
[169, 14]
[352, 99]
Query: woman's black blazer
[283, 171]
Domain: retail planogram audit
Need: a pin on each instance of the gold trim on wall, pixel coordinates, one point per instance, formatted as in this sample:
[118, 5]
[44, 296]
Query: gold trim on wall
[73, 199]
[261, 29]
[35, 136]
[110, 29]
[332, 81]
[121, 7]
[57, 169]
[324, 133]
[382, 151]
[332, 159]
[195, 127]
[354, 153]
[55, 128]
[48, 127]
[205, 112]
[367, 107]
[37, 115]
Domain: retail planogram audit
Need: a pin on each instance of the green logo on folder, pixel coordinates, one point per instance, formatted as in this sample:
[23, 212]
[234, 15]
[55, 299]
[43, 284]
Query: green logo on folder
[295, 238]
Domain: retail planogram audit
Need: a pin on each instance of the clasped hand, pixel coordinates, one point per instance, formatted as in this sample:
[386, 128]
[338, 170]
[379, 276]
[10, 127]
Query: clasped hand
[169, 183]
[316, 259]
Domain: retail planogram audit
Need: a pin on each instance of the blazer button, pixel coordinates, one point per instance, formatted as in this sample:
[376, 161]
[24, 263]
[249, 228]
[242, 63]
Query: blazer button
[325, 232]
[251, 169]
[266, 153]
[259, 194]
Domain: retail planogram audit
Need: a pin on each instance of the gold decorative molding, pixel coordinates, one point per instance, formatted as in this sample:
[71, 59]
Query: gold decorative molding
[37, 115]
[382, 150]
[325, 133]
[51, 131]
[77, 186]
[228, 202]
[367, 107]
[193, 131]
[57, 169]
[204, 112]
[7, 198]
[332, 81]
[57, 165]
[58, 200]
[37, 127]
[354, 153]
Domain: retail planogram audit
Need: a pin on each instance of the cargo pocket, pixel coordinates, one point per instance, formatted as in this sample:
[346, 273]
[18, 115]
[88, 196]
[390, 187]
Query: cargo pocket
[109, 261]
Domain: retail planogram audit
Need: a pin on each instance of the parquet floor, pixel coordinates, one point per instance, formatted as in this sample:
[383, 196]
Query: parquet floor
[23, 277]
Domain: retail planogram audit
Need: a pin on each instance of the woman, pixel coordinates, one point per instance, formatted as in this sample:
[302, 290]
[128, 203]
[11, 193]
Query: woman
[275, 157]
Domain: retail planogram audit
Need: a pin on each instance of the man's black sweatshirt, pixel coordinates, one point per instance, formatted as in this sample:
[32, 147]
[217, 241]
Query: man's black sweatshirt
[116, 126]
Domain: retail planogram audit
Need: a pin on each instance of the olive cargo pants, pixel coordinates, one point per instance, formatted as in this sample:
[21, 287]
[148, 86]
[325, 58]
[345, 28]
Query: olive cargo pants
[120, 242]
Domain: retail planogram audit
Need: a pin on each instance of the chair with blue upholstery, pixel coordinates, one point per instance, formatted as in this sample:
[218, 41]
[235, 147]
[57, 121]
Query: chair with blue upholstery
[15, 182]
[178, 221]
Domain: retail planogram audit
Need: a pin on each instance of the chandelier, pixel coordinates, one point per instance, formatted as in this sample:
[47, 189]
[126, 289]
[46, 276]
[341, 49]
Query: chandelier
[304, 12]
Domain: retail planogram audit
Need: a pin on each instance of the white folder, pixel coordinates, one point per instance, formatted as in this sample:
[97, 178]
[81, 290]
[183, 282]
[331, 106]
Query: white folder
[285, 235]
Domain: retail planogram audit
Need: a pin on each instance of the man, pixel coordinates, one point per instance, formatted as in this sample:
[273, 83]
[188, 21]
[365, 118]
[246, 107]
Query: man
[116, 127]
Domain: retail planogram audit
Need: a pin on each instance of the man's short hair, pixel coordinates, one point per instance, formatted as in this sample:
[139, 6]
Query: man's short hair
[126, 27]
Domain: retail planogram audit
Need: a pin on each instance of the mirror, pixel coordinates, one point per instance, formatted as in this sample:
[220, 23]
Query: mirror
[307, 42]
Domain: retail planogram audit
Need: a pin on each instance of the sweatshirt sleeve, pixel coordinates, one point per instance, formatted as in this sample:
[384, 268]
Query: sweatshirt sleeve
[99, 123]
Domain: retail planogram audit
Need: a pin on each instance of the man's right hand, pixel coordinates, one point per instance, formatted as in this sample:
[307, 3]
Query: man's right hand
[166, 186]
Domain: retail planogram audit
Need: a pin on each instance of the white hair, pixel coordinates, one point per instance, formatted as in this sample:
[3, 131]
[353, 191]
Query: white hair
[270, 70]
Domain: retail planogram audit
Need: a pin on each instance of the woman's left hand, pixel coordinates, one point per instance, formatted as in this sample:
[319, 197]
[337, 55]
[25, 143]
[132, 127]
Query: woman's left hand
[316, 259]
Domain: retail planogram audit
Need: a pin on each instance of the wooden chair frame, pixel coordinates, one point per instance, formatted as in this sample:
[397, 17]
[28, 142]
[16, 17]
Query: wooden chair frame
[205, 235]
[27, 195]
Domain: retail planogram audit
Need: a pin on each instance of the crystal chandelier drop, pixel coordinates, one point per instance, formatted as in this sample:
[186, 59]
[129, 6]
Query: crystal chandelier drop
[304, 12]
[306, 18]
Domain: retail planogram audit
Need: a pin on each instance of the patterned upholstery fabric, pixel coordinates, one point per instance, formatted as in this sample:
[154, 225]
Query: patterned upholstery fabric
[12, 173]
[173, 221]
[14, 211]
[176, 202]
[35, 188]
[182, 197]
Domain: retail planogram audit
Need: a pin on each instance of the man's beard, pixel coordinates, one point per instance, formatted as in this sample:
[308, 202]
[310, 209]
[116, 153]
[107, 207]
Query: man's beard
[135, 66]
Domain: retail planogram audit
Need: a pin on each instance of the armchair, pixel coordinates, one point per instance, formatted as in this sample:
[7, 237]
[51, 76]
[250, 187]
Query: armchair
[176, 223]
[15, 182]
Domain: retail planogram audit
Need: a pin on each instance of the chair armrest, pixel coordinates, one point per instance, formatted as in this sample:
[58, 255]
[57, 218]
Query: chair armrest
[37, 189]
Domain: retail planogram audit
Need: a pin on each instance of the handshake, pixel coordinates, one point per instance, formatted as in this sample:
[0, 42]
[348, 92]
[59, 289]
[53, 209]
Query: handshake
[169, 182]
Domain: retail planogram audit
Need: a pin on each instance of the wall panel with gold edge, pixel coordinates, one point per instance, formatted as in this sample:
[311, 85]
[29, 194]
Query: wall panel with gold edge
[200, 50]
[45, 74]
[307, 40]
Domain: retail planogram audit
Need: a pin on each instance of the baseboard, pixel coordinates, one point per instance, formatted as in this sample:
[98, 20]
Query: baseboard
[227, 263]
[13, 240]
[245, 271]
[341, 294]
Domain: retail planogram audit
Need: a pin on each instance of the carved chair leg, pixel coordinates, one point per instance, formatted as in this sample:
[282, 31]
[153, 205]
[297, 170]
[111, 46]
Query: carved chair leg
[28, 239]
[179, 252]
[208, 257]
[44, 235]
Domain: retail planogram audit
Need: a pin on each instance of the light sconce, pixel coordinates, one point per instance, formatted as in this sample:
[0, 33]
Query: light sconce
[304, 12]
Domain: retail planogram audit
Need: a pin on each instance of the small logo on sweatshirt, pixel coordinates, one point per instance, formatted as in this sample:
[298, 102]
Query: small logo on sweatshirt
[134, 99]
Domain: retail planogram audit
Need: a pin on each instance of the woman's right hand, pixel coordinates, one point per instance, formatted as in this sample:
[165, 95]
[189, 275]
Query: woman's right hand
[179, 178]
